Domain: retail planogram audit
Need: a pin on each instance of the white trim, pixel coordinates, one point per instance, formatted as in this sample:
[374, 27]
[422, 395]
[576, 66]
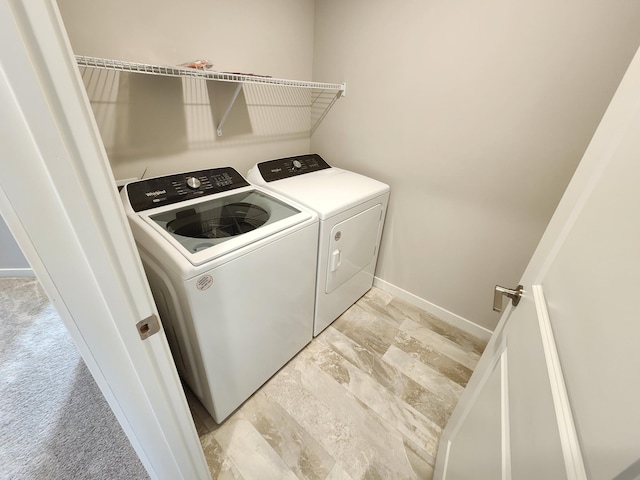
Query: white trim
[16, 272]
[506, 421]
[573, 460]
[482, 374]
[442, 313]
[445, 464]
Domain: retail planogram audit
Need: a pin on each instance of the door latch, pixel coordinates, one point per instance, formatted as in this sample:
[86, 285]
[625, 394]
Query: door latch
[499, 291]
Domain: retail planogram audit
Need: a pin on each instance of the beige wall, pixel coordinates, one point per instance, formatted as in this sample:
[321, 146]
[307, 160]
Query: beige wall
[271, 38]
[476, 114]
[148, 132]
[11, 257]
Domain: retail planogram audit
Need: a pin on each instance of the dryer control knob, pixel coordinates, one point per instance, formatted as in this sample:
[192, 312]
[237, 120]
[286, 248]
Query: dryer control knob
[193, 183]
[297, 164]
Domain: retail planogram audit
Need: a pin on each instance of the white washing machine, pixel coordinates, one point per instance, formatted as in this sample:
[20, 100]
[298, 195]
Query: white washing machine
[231, 267]
[352, 210]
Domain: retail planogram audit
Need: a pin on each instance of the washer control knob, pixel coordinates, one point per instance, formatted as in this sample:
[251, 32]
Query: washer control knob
[297, 164]
[193, 183]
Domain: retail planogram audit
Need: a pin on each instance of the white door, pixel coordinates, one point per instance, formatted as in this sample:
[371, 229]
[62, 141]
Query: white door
[556, 394]
[58, 198]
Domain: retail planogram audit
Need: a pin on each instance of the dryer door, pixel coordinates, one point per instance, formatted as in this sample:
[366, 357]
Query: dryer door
[353, 246]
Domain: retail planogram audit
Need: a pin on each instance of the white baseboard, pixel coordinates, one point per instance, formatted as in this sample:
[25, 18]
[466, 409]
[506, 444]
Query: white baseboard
[16, 272]
[443, 314]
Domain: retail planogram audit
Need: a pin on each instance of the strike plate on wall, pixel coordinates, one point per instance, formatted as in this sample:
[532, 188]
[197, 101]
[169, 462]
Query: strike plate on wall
[148, 327]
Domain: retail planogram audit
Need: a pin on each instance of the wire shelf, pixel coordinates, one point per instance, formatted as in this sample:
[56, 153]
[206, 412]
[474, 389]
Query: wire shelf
[297, 102]
[175, 71]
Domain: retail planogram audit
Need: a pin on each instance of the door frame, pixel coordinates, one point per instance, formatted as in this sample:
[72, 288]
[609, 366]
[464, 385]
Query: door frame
[59, 199]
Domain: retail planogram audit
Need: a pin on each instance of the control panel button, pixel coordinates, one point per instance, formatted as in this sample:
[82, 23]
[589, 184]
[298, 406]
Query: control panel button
[193, 183]
[297, 164]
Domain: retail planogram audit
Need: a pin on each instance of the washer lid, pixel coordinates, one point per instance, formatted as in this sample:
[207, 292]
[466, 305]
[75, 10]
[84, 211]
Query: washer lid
[328, 191]
[207, 228]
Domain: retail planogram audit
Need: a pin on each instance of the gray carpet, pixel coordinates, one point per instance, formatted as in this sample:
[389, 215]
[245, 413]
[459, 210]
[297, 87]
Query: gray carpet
[54, 421]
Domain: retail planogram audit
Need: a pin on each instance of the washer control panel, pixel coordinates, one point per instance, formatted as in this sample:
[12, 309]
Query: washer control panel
[291, 167]
[160, 191]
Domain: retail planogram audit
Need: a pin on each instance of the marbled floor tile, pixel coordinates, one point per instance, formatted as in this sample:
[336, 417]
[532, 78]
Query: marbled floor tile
[401, 309]
[386, 376]
[301, 452]
[430, 356]
[389, 457]
[250, 453]
[444, 345]
[379, 296]
[446, 389]
[366, 360]
[364, 446]
[376, 302]
[313, 415]
[412, 423]
[338, 473]
[367, 329]
[220, 465]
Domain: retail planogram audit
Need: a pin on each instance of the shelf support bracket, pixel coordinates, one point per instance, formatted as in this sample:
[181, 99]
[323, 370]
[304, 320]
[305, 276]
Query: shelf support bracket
[229, 107]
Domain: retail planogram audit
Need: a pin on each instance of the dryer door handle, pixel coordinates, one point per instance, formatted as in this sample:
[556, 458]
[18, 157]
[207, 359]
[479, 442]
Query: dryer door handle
[335, 260]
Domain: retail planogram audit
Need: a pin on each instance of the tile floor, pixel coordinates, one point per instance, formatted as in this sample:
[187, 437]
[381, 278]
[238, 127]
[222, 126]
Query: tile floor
[366, 399]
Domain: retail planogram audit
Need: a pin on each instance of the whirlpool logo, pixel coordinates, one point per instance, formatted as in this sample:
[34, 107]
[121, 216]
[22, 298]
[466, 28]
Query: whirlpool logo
[156, 193]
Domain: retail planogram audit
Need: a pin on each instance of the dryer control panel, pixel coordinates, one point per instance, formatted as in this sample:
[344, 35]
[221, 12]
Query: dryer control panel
[160, 191]
[291, 167]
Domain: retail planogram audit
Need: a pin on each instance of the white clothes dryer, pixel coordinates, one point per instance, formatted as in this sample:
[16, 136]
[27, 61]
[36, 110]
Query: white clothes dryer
[352, 211]
[231, 268]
